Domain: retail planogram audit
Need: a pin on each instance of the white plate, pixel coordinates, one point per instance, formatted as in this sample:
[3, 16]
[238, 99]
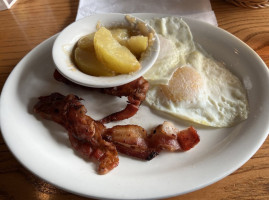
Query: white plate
[42, 146]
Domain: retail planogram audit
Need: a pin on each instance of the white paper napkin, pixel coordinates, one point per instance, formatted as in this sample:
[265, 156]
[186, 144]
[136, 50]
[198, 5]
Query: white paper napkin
[200, 9]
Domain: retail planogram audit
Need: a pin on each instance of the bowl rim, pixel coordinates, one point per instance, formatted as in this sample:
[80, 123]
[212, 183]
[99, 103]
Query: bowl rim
[68, 37]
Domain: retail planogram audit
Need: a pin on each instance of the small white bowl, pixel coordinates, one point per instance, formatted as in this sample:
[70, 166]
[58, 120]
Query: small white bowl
[67, 39]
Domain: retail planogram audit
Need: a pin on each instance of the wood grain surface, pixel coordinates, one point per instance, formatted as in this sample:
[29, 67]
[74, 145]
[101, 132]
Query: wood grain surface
[28, 23]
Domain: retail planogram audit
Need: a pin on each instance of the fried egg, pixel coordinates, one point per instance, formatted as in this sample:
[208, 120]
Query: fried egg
[189, 84]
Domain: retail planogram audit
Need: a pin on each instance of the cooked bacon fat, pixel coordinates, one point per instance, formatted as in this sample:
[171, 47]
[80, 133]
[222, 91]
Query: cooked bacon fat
[131, 140]
[167, 137]
[164, 137]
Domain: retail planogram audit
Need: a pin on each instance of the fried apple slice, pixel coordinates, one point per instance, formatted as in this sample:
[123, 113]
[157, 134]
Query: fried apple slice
[87, 62]
[85, 58]
[121, 35]
[137, 44]
[112, 54]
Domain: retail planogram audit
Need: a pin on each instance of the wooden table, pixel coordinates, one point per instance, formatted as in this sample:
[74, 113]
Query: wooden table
[30, 22]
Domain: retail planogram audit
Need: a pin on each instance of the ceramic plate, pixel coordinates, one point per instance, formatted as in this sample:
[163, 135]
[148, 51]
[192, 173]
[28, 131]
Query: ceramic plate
[43, 147]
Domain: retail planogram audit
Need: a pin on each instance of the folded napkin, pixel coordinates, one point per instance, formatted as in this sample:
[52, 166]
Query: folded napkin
[200, 10]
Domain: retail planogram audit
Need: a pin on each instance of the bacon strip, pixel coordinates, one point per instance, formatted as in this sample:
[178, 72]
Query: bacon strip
[92, 139]
[130, 140]
[85, 134]
[167, 137]
[135, 91]
[134, 141]
[188, 138]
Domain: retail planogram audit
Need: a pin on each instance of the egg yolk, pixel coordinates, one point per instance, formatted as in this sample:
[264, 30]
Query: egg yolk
[185, 85]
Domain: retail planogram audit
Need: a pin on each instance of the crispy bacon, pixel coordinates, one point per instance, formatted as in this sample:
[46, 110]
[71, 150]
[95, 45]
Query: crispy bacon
[92, 139]
[164, 137]
[131, 140]
[85, 134]
[135, 92]
[167, 137]
[134, 141]
[188, 138]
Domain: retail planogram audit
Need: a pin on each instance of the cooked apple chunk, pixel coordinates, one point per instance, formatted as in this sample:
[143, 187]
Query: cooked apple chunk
[121, 35]
[86, 42]
[112, 54]
[85, 58]
[87, 62]
[137, 44]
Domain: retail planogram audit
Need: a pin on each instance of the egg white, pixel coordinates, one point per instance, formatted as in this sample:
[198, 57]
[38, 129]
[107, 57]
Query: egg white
[175, 43]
